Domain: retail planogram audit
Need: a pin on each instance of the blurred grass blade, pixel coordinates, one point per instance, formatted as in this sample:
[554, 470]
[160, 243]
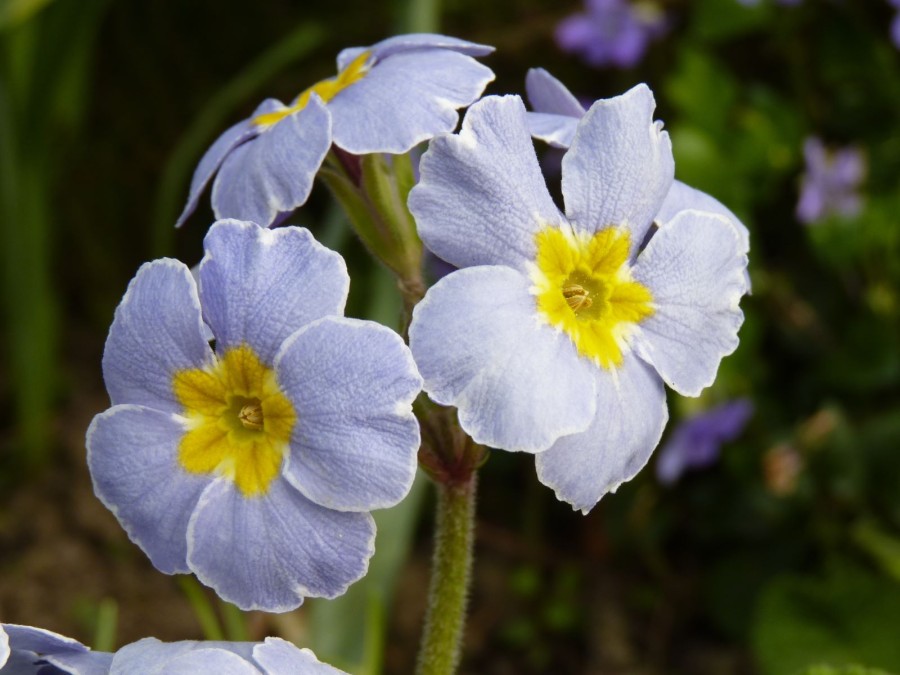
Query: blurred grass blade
[349, 632]
[106, 627]
[212, 120]
[203, 609]
[235, 622]
[15, 12]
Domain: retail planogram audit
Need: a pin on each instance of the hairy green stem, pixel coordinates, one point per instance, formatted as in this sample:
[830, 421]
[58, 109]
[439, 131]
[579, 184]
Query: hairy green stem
[451, 570]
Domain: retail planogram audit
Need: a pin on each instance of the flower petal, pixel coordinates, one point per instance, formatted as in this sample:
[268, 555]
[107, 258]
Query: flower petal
[4, 646]
[279, 657]
[546, 94]
[410, 42]
[132, 453]
[619, 167]
[38, 640]
[352, 384]
[481, 197]
[151, 656]
[270, 552]
[274, 172]
[259, 286]
[694, 267]
[157, 330]
[240, 133]
[81, 663]
[406, 98]
[631, 415]
[207, 660]
[682, 197]
[519, 384]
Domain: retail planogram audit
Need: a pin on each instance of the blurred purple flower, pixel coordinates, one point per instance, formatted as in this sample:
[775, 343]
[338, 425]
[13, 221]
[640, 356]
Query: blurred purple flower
[611, 32]
[831, 181]
[752, 3]
[895, 24]
[696, 442]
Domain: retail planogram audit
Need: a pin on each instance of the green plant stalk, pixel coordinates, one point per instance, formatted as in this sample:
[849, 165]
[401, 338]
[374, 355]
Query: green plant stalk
[202, 607]
[448, 593]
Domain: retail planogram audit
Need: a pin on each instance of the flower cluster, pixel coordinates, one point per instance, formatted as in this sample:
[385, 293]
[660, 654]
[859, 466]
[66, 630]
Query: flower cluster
[25, 650]
[385, 98]
[253, 463]
[556, 335]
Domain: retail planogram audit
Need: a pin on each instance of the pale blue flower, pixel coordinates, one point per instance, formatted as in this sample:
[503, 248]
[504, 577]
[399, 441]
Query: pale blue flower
[253, 463]
[611, 32]
[25, 650]
[556, 335]
[272, 657]
[831, 183]
[554, 118]
[386, 98]
[697, 441]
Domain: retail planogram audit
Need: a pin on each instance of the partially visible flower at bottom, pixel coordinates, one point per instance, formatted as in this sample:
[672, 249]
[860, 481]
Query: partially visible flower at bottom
[696, 442]
[253, 464]
[831, 182]
[611, 32]
[272, 657]
[25, 650]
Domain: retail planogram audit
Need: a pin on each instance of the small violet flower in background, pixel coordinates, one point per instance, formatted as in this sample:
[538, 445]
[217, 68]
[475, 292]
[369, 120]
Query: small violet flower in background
[696, 442]
[611, 32]
[385, 98]
[895, 24]
[253, 464]
[557, 333]
[831, 183]
[25, 650]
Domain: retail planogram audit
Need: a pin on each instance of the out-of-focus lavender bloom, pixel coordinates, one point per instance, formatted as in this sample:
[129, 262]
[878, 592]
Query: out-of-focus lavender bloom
[752, 3]
[831, 182]
[611, 32]
[895, 24]
[696, 442]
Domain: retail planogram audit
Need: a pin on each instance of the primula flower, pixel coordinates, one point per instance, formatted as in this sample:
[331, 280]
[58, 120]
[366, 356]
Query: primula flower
[895, 24]
[831, 182]
[614, 32]
[253, 464]
[385, 98]
[696, 442]
[555, 117]
[272, 657]
[25, 650]
[556, 335]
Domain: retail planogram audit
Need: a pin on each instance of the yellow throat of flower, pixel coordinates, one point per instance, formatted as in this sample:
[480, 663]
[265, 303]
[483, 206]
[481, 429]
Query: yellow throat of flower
[326, 89]
[240, 421]
[584, 287]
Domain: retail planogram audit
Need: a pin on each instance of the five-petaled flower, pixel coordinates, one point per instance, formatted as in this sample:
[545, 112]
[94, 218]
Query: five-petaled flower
[253, 463]
[385, 98]
[558, 331]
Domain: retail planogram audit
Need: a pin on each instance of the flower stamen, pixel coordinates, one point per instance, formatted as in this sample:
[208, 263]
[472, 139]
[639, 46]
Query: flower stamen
[251, 416]
[577, 297]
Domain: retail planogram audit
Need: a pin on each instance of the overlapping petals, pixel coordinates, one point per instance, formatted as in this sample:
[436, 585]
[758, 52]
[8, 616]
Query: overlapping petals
[25, 650]
[386, 98]
[558, 337]
[223, 460]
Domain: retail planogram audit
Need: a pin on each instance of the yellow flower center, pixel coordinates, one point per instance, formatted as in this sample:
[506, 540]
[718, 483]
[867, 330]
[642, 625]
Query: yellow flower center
[326, 89]
[584, 287]
[240, 421]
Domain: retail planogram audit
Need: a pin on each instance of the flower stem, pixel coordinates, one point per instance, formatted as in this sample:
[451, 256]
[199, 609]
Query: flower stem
[451, 570]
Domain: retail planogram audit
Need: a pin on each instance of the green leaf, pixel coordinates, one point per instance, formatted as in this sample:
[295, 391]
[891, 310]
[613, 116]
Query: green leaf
[846, 617]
